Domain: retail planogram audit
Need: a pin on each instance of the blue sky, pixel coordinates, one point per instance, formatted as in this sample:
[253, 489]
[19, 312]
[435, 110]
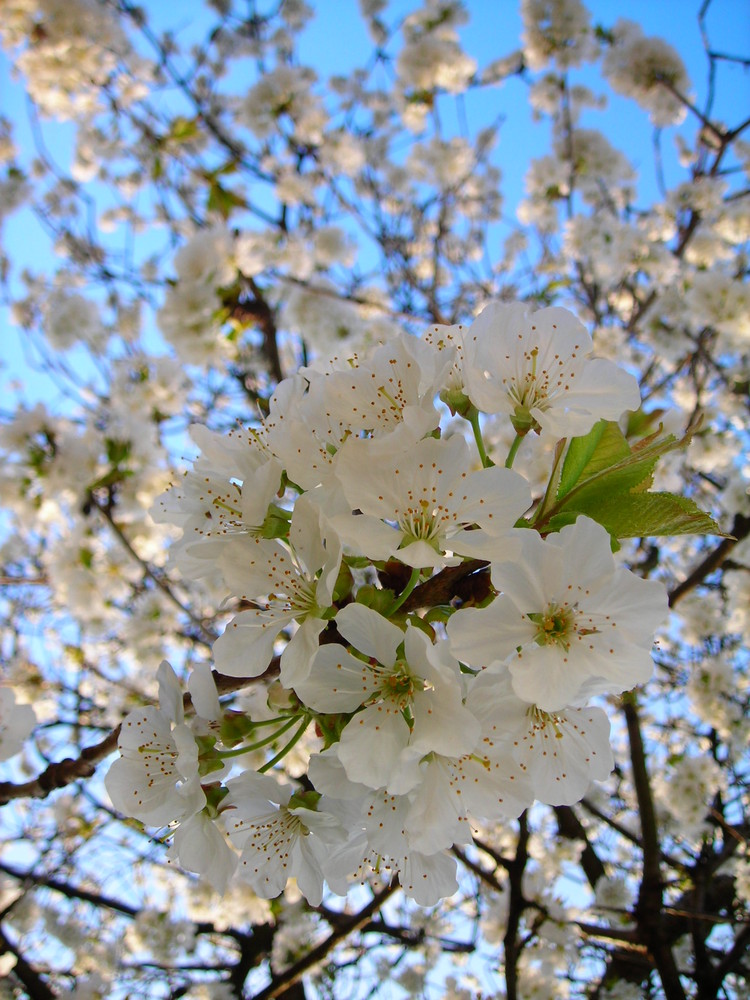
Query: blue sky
[337, 40]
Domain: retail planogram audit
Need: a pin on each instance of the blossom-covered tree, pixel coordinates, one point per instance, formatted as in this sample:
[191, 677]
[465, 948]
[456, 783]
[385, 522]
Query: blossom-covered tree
[375, 569]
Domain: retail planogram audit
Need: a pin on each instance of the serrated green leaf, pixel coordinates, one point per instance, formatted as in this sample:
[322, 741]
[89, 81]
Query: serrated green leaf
[606, 479]
[602, 448]
[638, 515]
[624, 469]
[578, 456]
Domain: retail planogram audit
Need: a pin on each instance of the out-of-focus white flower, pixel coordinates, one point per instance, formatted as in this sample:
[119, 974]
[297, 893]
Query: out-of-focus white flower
[649, 70]
[71, 319]
[558, 30]
[17, 720]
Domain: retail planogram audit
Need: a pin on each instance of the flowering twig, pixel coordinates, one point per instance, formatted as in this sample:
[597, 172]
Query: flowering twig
[280, 983]
[65, 772]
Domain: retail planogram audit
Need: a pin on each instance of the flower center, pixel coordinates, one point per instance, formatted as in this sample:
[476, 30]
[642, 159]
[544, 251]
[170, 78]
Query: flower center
[555, 625]
[299, 599]
[541, 719]
[418, 522]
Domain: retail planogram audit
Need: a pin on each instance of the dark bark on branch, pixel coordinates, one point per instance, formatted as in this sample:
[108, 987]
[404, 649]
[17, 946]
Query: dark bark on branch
[280, 984]
[26, 974]
[740, 529]
[65, 772]
[648, 909]
[466, 581]
[570, 827]
[516, 906]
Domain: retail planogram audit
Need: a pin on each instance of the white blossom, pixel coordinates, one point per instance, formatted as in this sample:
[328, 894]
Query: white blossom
[17, 720]
[536, 367]
[567, 629]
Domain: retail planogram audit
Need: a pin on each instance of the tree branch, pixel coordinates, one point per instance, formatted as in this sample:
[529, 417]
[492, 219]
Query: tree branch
[65, 772]
[280, 983]
[740, 530]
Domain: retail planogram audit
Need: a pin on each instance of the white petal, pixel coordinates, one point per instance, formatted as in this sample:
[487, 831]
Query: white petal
[428, 878]
[245, 648]
[299, 652]
[337, 681]
[371, 744]
[203, 692]
[170, 692]
[370, 633]
[201, 848]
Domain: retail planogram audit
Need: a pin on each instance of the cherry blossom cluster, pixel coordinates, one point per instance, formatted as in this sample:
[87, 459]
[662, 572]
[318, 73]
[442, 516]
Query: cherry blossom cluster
[342, 526]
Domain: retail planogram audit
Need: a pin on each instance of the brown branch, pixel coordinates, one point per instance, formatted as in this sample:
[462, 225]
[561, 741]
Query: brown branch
[281, 983]
[488, 878]
[26, 974]
[648, 909]
[61, 773]
[264, 318]
[570, 827]
[449, 583]
[65, 772]
[516, 906]
[740, 530]
[626, 938]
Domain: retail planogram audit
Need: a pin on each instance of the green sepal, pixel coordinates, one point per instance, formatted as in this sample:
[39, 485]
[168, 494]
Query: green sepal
[234, 728]
[282, 700]
[457, 402]
[357, 562]
[215, 793]
[305, 800]
[423, 624]
[344, 583]
[207, 765]
[440, 613]
[379, 600]
[207, 759]
[330, 727]
[276, 522]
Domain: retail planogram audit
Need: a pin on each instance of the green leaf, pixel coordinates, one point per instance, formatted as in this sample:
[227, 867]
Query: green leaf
[183, 129]
[607, 479]
[624, 467]
[579, 454]
[223, 201]
[638, 515]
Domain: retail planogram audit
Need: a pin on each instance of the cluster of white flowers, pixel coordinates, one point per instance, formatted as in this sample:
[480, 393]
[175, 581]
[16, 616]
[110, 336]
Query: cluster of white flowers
[558, 30]
[649, 70]
[420, 715]
[284, 94]
[431, 59]
[190, 318]
[72, 48]
[70, 319]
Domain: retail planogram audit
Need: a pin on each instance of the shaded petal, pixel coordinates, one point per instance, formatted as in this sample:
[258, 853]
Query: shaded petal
[245, 648]
[370, 632]
[337, 681]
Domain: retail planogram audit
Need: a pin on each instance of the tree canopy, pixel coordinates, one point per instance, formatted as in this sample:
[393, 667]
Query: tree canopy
[375, 576]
